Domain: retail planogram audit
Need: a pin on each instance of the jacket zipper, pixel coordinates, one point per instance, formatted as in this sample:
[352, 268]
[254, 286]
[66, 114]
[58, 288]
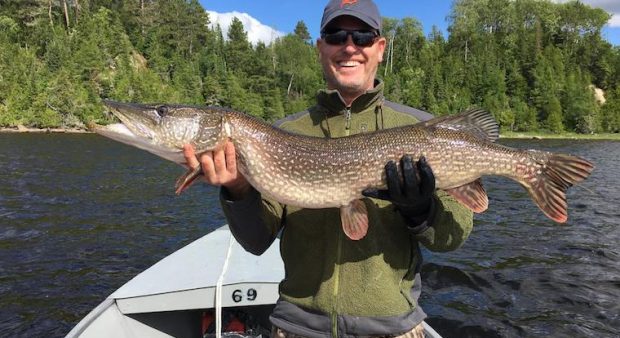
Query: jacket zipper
[336, 286]
[347, 132]
[347, 125]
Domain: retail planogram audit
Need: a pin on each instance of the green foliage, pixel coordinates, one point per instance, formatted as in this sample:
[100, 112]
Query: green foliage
[580, 108]
[298, 69]
[532, 63]
[610, 113]
[525, 117]
[238, 49]
[553, 115]
[412, 86]
[301, 31]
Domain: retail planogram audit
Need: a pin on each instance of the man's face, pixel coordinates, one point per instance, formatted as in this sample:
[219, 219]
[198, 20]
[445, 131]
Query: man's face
[349, 68]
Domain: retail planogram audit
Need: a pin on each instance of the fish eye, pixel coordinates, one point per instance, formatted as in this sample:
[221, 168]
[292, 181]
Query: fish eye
[162, 111]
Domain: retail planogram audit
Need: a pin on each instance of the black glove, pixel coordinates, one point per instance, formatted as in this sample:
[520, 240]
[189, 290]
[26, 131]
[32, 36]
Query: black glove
[413, 194]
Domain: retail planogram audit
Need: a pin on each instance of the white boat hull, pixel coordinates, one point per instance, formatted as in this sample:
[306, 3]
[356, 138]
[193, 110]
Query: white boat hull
[169, 298]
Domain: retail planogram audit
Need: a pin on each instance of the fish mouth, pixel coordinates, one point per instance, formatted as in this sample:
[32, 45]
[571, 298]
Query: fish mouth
[140, 119]
[116, 131]
[134, 122]
[136, 129]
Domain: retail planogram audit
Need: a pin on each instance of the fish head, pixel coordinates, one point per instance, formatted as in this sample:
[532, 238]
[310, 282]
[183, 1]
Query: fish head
[164, 129]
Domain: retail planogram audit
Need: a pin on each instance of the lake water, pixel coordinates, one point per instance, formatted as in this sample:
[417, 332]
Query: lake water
[81, 215]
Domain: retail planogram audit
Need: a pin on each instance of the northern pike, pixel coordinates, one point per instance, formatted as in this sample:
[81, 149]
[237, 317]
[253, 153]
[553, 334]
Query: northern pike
[313, 172]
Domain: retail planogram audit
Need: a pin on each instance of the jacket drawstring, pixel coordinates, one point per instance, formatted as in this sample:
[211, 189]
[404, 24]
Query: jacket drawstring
[378, 118]
[379, 114]
[329, 132]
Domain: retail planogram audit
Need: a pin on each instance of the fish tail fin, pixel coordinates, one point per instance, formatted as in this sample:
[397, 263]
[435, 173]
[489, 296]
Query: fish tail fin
[552, 175]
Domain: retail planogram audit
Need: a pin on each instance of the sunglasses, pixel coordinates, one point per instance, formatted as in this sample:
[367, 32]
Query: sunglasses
[361, 38]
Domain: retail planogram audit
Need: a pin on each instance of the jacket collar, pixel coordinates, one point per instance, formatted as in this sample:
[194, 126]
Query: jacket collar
[333, 102]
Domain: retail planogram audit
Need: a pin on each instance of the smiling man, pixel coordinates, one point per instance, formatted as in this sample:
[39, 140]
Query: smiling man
[335, 286]
[347, 67]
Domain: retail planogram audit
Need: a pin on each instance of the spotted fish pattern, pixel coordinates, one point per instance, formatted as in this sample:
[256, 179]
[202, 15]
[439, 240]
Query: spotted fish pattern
[313, 172]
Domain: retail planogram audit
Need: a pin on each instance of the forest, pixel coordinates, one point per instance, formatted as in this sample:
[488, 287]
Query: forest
[534, 64]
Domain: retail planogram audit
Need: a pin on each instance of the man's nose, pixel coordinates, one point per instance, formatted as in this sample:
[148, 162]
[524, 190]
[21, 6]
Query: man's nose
[349, 46]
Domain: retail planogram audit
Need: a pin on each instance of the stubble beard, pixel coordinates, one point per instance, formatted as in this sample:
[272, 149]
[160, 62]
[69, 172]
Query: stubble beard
[351, 87]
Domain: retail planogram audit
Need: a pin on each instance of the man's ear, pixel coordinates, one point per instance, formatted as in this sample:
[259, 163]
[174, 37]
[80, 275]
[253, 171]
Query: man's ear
[381, 43]
[319, 45]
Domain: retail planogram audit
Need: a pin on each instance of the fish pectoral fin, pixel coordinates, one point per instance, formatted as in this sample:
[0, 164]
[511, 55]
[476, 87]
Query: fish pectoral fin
[185, 180]
[354, 217]
[472, 195]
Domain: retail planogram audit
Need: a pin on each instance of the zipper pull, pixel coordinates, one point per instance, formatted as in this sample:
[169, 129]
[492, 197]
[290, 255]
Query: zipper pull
[347, 125]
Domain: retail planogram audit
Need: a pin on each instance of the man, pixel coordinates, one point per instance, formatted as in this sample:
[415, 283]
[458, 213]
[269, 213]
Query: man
[335, 286]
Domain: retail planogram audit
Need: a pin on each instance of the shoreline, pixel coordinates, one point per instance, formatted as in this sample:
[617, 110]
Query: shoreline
[564, 136]
[22, 129]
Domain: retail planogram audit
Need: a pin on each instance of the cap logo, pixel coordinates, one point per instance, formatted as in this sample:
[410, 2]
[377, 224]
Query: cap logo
[347, 2]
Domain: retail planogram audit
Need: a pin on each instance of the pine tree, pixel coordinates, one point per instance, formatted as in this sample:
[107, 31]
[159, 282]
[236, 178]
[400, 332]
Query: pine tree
[301, 31]
[238, 49]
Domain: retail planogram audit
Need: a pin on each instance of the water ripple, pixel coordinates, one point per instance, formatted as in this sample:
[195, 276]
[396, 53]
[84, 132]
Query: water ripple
[80, 216]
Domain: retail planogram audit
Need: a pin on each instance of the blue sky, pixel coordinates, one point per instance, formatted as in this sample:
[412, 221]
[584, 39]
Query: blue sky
[282, 15]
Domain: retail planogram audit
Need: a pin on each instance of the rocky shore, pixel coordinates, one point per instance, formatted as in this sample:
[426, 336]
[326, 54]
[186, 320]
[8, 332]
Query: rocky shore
[24, 129]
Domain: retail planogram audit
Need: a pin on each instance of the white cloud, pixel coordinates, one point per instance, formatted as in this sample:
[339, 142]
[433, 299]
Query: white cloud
[611, 6]
[255, 29]
[615, 21]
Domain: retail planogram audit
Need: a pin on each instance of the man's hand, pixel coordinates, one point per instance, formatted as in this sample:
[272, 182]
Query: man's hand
[220, 168]
[413, 194]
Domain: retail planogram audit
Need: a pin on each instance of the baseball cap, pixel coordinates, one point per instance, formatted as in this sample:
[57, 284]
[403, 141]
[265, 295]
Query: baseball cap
[365, 10]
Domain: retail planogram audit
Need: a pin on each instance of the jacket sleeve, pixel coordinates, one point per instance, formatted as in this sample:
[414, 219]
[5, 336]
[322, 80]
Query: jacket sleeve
[253, 221]
[450, 225]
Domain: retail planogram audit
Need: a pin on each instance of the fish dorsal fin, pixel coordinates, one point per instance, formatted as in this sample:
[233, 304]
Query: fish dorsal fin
[477, 122]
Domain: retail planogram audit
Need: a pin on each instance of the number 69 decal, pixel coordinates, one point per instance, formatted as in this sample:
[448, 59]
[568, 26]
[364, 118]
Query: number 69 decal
[238, 295]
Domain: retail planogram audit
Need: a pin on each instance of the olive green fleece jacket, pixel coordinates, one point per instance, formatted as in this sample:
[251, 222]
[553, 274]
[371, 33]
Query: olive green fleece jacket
[335, 286]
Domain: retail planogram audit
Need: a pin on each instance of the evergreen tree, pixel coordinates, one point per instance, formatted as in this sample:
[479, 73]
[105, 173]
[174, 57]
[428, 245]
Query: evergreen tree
[610, 112]
[238, 49]
[531, 63]
[301, 31]
[553, 112]
[580, 108]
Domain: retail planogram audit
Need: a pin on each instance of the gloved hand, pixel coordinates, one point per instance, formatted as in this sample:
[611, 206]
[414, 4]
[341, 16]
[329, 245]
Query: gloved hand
[413, 194]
